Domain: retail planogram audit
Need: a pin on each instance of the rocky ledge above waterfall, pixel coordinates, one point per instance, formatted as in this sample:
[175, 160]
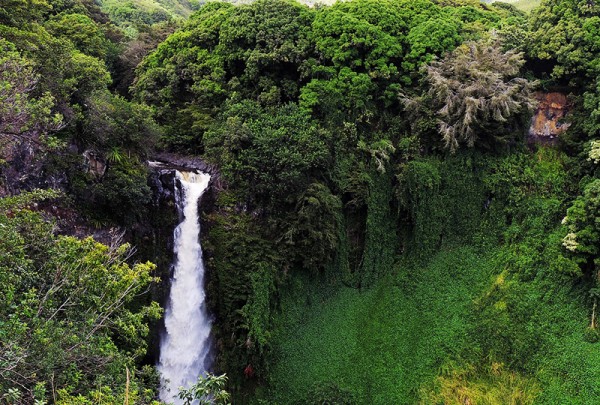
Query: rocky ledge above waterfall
[165, 160]
[162, 172]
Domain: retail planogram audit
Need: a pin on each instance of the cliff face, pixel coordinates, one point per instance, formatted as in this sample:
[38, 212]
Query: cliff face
[21, 161]
[548, 121]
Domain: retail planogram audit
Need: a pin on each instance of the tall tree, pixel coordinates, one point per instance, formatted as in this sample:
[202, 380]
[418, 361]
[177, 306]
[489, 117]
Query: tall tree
[477, 92]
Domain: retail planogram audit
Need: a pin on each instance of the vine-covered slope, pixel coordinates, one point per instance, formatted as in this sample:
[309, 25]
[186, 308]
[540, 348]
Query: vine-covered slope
[381, 229]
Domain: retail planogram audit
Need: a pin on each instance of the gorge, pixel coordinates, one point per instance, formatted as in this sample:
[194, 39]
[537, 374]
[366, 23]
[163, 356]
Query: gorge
[265, 202]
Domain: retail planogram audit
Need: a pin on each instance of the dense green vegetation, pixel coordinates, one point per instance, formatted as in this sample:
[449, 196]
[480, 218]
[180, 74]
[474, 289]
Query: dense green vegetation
[68, 330]
[383, 231]
[72, 325]
[492, 323]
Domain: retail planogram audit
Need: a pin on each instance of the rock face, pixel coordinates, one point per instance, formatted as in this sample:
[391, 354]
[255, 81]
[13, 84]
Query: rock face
[94, 164]
[162, 173]
[185, 163]
[21, 163]
[548, 121]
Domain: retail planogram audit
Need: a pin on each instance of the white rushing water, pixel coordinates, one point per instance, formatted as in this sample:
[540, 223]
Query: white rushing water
[185, 347]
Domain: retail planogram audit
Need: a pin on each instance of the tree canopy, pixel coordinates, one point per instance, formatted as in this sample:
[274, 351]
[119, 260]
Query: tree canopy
[379, 228]
[66, 320]
[476, 90]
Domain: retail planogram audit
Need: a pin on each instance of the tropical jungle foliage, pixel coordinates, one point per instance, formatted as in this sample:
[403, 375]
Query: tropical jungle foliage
[382, 229]
[68, 331]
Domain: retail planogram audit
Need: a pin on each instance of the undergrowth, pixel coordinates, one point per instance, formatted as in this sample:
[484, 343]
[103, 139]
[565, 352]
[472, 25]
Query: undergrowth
[490, 315]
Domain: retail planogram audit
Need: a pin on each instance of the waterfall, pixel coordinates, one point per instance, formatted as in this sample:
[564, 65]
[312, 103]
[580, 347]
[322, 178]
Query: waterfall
[185, 346]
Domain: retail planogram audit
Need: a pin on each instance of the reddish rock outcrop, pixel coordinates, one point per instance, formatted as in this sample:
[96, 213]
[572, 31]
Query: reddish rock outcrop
[548, 121]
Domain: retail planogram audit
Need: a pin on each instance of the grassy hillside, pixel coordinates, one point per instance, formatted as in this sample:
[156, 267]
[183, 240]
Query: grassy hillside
[181, 8]
[309, 2]
[133, 15]
[527, 5]
[381, 345]
[524, 5]
[416, 338]
[482, 320]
